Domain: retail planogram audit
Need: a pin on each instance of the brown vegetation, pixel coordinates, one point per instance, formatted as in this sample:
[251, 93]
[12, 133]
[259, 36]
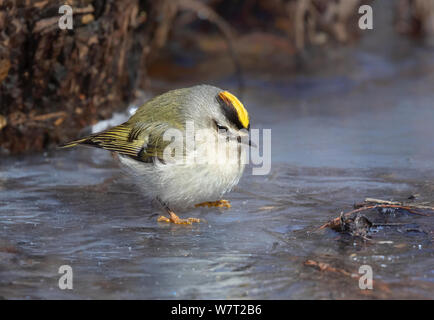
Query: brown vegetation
[55, 82]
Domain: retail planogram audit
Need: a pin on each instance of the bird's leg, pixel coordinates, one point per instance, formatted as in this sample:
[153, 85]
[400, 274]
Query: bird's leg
[173, 218]
[218, 204]
[177, 220]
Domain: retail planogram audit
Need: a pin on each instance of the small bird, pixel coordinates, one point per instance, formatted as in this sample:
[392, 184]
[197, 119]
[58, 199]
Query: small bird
[198, 176]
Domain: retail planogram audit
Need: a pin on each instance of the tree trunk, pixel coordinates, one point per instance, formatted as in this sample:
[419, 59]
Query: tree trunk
[54, 82]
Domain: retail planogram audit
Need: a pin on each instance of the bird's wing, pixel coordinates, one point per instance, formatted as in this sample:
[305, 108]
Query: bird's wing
[143, 143]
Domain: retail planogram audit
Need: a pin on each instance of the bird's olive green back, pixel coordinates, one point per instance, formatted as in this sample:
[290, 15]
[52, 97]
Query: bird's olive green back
[163, 109]
[141, 137]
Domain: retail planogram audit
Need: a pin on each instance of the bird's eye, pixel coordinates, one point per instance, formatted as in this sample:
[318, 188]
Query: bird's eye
[220, 127]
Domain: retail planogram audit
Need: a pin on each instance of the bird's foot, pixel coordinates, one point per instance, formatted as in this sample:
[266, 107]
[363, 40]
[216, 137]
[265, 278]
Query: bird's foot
[177, 220]
[218, 204]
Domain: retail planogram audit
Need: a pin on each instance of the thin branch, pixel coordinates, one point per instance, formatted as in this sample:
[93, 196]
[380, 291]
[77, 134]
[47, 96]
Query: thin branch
[336, 221]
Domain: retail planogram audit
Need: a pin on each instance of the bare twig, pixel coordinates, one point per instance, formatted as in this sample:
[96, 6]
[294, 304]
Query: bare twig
[382, 201]
[203, 11]
[413, 206]
[21, 118]
[45, 24]
[337, 221]
[206, 12]
[322, 266]
[48, 116]
[325, 267]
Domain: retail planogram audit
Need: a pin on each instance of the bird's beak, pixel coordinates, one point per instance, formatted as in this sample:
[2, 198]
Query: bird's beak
[252, 144]
[242, 139]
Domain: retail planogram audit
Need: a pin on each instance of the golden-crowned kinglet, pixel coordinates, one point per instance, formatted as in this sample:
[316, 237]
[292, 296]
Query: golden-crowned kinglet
[214, 120]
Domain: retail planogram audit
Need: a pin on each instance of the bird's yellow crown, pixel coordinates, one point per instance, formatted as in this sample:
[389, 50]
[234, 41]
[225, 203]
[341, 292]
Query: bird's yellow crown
[233, 102]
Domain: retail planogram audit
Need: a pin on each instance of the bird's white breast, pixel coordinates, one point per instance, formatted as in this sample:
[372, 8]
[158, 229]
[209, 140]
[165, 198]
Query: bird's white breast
[203, 175]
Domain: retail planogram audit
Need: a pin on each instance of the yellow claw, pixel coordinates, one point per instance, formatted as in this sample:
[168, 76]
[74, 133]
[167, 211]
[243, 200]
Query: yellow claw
[177, 220]
[218, 204]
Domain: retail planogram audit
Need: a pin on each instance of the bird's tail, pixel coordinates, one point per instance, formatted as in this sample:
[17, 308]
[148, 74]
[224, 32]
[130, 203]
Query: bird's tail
[75, 142]
[100, 139]
[114, 139]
